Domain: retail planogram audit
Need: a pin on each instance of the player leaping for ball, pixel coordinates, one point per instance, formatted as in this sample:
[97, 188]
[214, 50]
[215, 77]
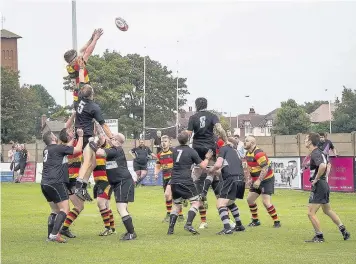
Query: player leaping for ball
[203, 123]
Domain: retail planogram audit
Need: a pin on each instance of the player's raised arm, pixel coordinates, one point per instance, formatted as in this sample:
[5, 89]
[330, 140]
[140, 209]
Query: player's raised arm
[90, 48]
[203, 164]
[79, 146]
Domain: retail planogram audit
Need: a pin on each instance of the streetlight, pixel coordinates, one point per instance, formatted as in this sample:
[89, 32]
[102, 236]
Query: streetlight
[144, 97]
[326, 90]
[177, 99]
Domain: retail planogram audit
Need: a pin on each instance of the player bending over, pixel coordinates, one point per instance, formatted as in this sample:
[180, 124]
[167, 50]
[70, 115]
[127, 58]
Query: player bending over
[182, 183]
[233, 187]
[319, 196]
[55, 179]
[121, 181]
[261, 181]
[165, 164]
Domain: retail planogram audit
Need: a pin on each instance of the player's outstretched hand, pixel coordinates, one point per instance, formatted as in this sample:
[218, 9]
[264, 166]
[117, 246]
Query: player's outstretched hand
[99, 32]
[80, 132]
[209, 154]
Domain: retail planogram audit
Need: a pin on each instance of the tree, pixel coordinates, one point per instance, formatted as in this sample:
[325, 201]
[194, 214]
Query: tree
[224, 121]
[345, 113]
[320, 127]
[18, 109]
[310, 107]
[118, 84]
[291, 119]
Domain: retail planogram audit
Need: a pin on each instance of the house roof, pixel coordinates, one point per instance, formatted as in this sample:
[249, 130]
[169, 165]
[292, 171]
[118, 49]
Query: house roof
[321, 114]
[9, 35]
[54, 126]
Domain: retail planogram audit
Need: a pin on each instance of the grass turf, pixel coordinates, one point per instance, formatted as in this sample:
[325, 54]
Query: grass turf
[24, 228]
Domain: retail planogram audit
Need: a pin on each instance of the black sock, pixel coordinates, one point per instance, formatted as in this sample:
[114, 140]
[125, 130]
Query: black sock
[319, 234]
[191, 214]
[172, 220]
[224, 216]
[342, 229]
[84, 185]
[51, 218]
[235, 213]
[207, 182]
[127, 220]
[58, 222]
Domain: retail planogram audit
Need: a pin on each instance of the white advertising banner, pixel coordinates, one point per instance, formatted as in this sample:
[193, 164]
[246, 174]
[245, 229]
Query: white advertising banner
[287, 172]
[113, 124]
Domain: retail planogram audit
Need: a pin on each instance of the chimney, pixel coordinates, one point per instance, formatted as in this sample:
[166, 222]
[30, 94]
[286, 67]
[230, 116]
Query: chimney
[43, 120]
[252, 111]
[190, 109]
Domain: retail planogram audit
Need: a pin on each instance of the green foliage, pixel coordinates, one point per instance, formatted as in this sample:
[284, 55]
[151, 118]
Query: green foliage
[224, 121]
[345, 113]
[320, 127]
[118, 84]
[291, 119]
[310, 107]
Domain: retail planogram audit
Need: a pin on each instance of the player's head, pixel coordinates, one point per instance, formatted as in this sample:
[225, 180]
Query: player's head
[312, 140]
[159, 133]
[183, 138]
[250, 142]
[70, 56]
[201, 103]
[236, 136]
[141, 143]
[118, 139]
[165, 142]
[322, 136]
[49, 138]
[87, 92]
[63, 136]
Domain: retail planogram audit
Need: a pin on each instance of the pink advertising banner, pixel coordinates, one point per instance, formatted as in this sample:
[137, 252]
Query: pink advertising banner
[30, 172]
[341, 177]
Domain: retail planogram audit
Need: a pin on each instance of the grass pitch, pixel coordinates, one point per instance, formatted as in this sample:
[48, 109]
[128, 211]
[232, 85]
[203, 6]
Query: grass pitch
[24, 228]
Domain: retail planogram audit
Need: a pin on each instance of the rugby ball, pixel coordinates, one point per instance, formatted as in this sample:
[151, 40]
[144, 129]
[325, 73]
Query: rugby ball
[121, 24]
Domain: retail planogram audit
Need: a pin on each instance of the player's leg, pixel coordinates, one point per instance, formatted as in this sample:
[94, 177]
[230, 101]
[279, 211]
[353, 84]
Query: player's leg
[168, 198]
[267, 189]
[312, 209]
[52, 217]
[89, 163]
[189, 191]
[336, 219]
[177, 206]
[203, 206]
[124, 193]
[74, 213]
[112, 220]
[251, 201]
[101, 200]
[60, 198]
[221, 205]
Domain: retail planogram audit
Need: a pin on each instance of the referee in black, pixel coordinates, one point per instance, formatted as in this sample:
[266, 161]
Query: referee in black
[319, 196]
[55, 179]
[233, 187]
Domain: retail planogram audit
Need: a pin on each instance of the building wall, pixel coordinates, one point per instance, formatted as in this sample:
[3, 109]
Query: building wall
[9, 56]
[256, 131]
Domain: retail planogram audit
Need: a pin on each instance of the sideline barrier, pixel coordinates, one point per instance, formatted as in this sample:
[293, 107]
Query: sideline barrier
[341, 177]
[8, 176]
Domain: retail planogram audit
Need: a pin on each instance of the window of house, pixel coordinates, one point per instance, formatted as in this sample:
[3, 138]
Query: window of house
[7, 55]
[262, 129]
[11, 53]
[3, 54]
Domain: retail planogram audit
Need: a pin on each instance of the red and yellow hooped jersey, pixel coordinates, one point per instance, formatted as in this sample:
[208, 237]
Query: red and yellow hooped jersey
[74, 163]
[165, 160]
[256, 160]
[99, 172]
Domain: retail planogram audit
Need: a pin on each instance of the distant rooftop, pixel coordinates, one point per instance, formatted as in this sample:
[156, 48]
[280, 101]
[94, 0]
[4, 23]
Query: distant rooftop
[8, 34]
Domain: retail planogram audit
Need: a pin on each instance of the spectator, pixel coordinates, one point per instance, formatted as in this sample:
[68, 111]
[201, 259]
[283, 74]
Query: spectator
[240, 146]
[325, 145]
[11, 153]
[23, 159]
[157, 141]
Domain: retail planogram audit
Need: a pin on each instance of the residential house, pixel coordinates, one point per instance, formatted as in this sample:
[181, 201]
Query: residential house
[255, 124]
[55, 126]
[322, 113]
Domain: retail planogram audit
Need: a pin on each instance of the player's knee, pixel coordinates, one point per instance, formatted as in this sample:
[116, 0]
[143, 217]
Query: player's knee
[196, 204]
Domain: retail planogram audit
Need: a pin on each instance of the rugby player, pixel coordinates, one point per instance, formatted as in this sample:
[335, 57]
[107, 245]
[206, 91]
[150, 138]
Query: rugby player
[233, 186]
[86, 111]
[121, 181]
[140, 155]
[319, 196]
[261, 181]
[182, 184]
[54, 181]
[66, 136]
[165, 164]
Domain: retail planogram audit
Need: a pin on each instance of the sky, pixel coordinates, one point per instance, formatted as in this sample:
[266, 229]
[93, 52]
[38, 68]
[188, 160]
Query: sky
[270, 51]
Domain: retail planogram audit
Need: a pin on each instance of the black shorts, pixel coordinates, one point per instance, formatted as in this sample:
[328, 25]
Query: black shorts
[202, 152]
[232, 188]
[102, 189]
[20, 166]
[184, 191]
[85, 139]
[215, 185]
[56, 192]
[71, 186]
[166, 183]
[320, 193]
[138, 167]
[266, 187]
[124, 191]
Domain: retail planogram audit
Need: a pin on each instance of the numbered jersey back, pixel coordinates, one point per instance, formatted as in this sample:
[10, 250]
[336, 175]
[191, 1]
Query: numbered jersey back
[202, 124]
[86, 111]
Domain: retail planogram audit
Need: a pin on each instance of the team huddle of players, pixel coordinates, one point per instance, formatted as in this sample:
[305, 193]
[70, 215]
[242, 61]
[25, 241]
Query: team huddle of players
[85, 147]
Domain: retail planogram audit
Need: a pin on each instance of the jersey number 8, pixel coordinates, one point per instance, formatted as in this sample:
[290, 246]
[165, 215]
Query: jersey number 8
[202, 121]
